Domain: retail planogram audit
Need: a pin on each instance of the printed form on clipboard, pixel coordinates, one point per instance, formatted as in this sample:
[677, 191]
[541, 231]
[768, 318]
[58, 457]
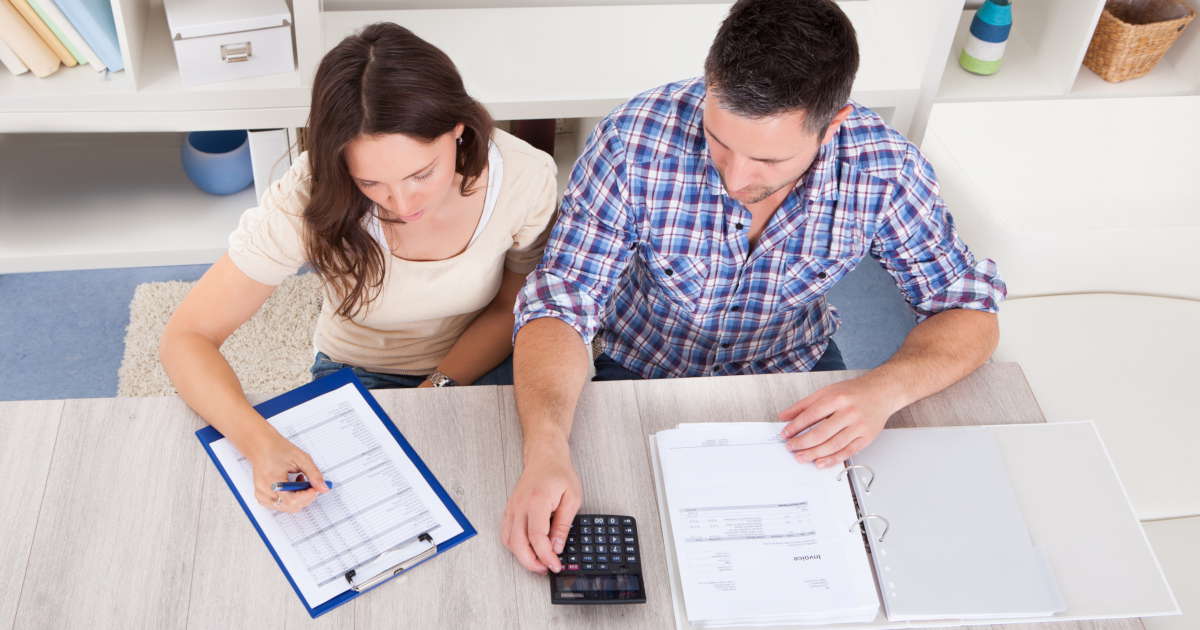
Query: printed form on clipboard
[385, 513]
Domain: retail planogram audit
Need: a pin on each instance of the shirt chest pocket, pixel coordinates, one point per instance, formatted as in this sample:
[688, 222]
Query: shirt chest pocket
[682, 280]
[807, 278]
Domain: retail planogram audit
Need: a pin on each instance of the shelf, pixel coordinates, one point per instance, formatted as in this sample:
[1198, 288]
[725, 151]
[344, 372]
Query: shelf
[1043, 54]
[79, 99]
[506, 60]
[86, 201]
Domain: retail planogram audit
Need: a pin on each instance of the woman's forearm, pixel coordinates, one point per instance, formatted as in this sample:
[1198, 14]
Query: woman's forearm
[482, 346]
[210, 387]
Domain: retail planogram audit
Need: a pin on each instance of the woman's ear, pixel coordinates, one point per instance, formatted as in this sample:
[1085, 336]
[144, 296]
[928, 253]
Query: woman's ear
[458, 130]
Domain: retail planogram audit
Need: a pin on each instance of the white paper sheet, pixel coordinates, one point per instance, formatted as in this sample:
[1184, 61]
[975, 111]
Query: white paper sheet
[761, 537]
[379, 500]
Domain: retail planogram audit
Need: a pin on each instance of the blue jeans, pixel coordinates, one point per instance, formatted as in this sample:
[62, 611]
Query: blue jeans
[323, 366]
[609, 370]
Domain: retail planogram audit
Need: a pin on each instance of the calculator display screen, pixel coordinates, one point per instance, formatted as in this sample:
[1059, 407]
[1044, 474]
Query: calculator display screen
[597, 583]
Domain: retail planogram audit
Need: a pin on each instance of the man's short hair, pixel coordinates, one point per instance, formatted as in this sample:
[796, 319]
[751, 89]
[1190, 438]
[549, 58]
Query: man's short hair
[775, 56]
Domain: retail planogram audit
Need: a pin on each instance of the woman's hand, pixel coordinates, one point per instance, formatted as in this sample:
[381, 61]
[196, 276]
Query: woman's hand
[272, 462]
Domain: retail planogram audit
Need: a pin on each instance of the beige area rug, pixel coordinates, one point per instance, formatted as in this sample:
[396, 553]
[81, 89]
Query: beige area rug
[271, 353]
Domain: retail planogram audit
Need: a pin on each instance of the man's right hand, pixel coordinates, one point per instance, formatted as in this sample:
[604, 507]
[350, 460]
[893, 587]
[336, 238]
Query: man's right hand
[542, 507]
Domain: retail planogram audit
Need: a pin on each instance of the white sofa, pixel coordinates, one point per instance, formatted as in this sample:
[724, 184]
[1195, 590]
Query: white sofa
[1091, 208]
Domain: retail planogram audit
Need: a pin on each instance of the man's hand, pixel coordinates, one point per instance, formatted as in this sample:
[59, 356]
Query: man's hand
[844, 418]
[548, 487]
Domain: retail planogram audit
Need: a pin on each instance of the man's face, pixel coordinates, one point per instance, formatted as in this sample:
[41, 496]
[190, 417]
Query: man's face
[758, 157]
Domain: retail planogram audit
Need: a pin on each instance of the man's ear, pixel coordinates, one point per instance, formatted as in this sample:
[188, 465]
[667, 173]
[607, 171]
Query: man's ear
[836, 124]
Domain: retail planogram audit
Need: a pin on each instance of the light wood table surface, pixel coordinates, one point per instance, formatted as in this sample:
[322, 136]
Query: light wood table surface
[112, 516]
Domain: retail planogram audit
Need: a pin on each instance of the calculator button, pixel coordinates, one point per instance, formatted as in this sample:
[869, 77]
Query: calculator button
[601, 548]
[629, 540]
[570, 540]
[589, 567]
[628, 530]
[587, 540]
[587, 530]
[589, 559]
[599, 520]
[602, 559]
[628, 549]
[612, 520]
[571, 549]
[572, 559]
[602, 566]
[588, 549]
[572, 567]
[613, 530]
[630, 559]
[627, 521]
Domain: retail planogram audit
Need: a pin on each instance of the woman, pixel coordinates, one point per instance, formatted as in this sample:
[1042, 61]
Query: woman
[422, 221]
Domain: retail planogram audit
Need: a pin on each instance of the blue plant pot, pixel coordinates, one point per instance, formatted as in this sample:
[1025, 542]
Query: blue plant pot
[218, 162]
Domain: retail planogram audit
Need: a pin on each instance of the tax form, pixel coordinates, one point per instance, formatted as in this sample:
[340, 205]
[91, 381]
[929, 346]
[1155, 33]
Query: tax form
[761, 538]
[379, 500]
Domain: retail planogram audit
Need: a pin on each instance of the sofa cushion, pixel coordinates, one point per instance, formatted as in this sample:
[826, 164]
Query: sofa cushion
[1175, 542]
[1130, 363]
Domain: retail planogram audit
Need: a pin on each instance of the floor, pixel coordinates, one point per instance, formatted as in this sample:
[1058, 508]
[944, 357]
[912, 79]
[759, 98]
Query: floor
[63, 332]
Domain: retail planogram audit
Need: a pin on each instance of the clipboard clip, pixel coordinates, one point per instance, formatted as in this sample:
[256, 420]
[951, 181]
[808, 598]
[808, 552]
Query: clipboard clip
[392, 562]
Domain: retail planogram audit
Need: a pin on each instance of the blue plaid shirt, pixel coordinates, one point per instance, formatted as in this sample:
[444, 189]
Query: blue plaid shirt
[651, 250]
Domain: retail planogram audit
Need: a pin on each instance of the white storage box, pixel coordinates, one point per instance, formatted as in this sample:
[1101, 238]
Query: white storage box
[219, 40]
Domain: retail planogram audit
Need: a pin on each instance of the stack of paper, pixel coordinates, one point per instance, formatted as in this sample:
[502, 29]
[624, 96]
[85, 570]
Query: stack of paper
[759, 538]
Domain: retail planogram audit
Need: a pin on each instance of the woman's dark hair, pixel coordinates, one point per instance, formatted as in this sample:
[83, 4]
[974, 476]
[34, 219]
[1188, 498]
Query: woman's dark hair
[774, 56]
[382, 80]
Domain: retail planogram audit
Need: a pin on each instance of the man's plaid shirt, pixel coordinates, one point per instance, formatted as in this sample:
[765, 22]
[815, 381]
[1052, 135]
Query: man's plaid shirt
[650, 249]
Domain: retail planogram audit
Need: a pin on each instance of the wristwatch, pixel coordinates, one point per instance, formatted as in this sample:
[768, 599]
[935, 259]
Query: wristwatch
[438, 379]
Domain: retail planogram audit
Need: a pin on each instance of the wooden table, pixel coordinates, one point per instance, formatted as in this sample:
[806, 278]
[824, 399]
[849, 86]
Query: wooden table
[112, 516]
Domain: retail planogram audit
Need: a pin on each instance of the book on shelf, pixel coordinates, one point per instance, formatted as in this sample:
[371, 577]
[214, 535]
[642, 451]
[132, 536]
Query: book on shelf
[66, 33]
[10, 60]
[43, 31]
[94, 21]
[21, 38]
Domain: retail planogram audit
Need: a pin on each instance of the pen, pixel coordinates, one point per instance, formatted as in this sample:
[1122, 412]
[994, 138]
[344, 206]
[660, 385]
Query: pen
[295, 486]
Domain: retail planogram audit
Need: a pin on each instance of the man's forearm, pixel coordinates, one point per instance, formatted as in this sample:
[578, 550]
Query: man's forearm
[938, 353]
[550, 364]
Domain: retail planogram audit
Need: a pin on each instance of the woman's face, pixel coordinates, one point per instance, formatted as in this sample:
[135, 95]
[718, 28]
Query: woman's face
[408, 178]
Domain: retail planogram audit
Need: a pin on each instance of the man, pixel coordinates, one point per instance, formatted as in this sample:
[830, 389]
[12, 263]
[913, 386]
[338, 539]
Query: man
[702, 227]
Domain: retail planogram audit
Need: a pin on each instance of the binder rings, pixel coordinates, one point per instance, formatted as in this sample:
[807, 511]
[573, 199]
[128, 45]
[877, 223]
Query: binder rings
[379, 567]
[982, 525]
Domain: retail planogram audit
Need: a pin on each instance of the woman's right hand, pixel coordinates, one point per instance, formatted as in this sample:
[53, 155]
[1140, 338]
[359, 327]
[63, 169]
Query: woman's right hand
[272, 462]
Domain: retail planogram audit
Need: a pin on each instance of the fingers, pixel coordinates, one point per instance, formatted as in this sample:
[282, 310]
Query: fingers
[819, 433]
[309, 469]
[821, 454]
[855, 445]
[539, 539]
[791, 412]
[516, 538]
[560, 524]
[812, 414]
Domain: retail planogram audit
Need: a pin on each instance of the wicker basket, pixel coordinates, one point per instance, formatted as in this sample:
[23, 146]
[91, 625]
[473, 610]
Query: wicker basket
[1133, 35]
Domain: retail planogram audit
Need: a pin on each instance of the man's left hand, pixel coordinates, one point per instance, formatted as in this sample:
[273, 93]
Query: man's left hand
[844, 418]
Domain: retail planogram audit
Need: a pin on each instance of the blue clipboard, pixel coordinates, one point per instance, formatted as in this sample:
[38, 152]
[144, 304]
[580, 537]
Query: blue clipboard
[301, 394]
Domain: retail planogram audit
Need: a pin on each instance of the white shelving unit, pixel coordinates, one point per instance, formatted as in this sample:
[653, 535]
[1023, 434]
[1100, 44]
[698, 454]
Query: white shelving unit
[92, 176]
[1044, 59]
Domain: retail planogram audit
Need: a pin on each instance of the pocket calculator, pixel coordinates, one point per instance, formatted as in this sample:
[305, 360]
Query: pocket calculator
[602, 563]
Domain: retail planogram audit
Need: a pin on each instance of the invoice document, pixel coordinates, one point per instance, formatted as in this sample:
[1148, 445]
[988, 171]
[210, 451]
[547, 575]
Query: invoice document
[379, 501]
[760, 537]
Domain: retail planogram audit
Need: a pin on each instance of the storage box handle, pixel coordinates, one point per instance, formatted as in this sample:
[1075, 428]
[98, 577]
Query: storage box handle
[235, 53]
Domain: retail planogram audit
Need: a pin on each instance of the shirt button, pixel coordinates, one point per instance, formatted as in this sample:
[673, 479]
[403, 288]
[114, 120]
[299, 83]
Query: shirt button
[670, 272]
[822, 275]
[633, 245]
[735, 308]
[737, 225]
[725, 345]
